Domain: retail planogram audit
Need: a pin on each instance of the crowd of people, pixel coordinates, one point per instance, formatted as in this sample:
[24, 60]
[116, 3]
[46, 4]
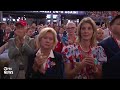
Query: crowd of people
[102, 16]
[83, 51]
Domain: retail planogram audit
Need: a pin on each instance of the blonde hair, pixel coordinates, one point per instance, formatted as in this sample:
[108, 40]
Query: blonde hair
[93, 24]
[42, 33]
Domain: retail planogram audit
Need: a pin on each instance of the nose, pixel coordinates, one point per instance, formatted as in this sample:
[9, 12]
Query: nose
[86, 31]
[48, 40]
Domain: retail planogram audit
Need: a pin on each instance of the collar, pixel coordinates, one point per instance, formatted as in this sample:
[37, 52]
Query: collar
[51, 55]
[118, 41]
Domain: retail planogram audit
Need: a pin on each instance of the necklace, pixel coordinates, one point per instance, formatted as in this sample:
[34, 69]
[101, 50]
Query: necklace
[84, 53]
[84, 50]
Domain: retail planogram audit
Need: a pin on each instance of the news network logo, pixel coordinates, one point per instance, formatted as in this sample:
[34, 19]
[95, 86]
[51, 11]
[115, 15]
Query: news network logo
[8, 70]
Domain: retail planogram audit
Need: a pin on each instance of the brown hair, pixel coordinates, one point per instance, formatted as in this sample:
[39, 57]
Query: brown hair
[93, 24]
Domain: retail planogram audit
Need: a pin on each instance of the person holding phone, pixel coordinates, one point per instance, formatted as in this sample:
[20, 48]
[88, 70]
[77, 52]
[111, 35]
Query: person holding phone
[83, 60]
[45, 63]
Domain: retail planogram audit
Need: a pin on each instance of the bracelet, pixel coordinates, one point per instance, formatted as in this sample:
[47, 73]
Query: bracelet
[96, 70]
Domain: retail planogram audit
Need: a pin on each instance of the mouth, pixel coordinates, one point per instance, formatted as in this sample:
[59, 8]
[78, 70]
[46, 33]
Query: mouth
[47, 44]
[86, 35]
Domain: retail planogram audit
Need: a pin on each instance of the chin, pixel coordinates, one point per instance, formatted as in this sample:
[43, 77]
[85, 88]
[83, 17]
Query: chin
[86, 39]
[47, 47]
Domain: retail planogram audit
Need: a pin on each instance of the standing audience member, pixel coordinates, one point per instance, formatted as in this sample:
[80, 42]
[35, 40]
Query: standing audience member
[84, 59]
[45, 63]
[100, 34]
[18, 50]
[2, 33]
[111, 45]
[71, 36]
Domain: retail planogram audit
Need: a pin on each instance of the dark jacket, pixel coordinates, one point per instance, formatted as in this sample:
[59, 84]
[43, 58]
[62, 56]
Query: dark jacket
[111, 69]
[2, 33]
[55, 72]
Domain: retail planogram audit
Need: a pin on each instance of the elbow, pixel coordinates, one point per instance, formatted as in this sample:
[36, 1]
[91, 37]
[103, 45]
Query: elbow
[10, 55]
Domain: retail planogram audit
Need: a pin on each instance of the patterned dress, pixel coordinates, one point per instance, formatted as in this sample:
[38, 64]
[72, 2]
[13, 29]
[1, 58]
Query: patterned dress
[65, 39]
[74, 53]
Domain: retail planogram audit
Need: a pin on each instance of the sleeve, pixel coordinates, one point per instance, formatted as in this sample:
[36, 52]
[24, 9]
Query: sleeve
[61, 74]
[101, 56]
[64, 40]
[67, 53]
[29, 71]
[111, 69]
[13, 51]
[28, 48]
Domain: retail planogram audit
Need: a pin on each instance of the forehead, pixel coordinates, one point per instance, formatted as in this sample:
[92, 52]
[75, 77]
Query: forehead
[19, 26]
[86, 24]
[100, 30]
[29, 30]
[49, 33]
[8, 28]
[33, 24]
[117, 20]
[3, 24]
[70, 25]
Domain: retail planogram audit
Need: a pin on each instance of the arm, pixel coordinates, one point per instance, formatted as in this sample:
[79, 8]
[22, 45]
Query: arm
[111, 69]
[29, 71]
[29, 47]
[2, 48]
[69, 71]
[101, 58]
[61, 68]
[13, 50]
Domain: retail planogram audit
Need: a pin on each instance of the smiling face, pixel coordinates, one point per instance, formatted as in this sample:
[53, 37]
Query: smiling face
[47, 41]
[100, 34]
[86, 31]
[71, 28]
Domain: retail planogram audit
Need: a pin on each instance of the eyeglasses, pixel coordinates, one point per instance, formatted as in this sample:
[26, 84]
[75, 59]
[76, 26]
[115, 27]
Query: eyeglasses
[70, 27]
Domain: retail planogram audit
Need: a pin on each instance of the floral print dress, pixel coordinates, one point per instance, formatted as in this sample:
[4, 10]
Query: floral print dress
[73, 53]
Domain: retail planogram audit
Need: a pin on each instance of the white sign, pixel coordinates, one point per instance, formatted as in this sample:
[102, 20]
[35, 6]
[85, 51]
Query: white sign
[8, 70]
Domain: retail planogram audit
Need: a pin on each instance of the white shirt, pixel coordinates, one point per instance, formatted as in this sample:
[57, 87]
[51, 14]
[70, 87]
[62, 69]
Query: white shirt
[118, 42]
[51, 55]
[107, 33]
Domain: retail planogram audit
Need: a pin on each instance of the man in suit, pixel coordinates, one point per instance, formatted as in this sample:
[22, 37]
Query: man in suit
[111, 45]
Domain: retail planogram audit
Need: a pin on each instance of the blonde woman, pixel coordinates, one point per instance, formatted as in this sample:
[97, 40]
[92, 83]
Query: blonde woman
[45, 63]
[83, 60]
